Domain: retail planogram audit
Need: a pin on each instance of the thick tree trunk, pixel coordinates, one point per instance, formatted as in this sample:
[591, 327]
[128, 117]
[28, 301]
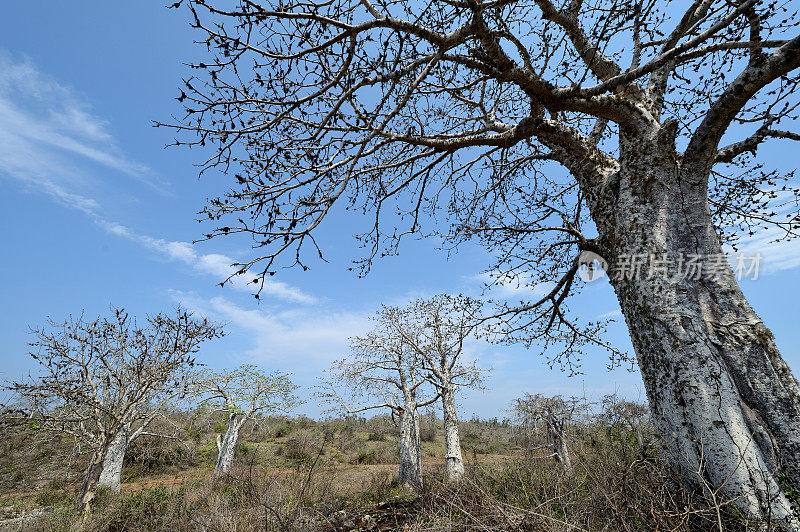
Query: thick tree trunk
[111, 474]
[721, 396]
[227, 447]
[410, 472]
[454, 463]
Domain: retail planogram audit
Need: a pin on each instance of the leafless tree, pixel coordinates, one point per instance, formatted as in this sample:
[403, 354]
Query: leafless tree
[619, 413]
[464, 109]
[240, 394]
[385, 366]
[437, 330]
[104, 381]
[553, 414]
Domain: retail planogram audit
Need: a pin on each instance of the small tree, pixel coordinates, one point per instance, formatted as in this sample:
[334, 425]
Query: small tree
[241, 394]
[554, 414]
[383, 365]
[104, 382]
[618, 413]
[437, 329]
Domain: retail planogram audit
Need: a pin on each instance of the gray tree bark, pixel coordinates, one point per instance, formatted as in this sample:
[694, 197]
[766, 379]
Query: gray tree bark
[720, 393]
[111, 474]
[454, 463]
[227, 446]
[410, 471]
[89, 488]
[558, 443]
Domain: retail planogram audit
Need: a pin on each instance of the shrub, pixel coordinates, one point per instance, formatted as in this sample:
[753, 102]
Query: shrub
[52, 493]
[376, 436]
[149, 508]
[375, 454]
[154, 454]
[242, 448]
[303, 446]
[367, 456]
[282, 430]
[427, 432]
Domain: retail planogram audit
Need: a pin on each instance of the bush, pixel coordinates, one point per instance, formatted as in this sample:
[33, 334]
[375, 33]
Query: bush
[303, 446]
[151, 507]
[376, 436]
[282, 430]
[375, 454]
[427, 432]
[52, 493]
[367, 456]
[152, 454]
[242, 448]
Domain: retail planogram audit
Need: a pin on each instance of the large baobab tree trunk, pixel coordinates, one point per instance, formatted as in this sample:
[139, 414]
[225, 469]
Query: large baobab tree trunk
[410, 472]
[722, 397]
[454, 463]
[94, 473]
[111, 474]
[226, 445]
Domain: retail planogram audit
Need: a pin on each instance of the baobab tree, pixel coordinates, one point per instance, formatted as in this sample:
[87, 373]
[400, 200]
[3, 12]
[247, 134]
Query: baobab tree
[621, 414]
[104, 381]
[553, 414]
[240, 394]
[385, 372]
[442, 325]
[464, 110]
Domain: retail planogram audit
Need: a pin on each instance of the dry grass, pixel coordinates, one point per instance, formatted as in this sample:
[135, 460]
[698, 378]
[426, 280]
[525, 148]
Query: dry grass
[339, 475]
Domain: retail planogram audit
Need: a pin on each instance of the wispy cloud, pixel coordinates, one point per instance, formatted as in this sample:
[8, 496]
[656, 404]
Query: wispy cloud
[774, 256]
[302, 339]
[611, 314]
[212, 264]
[509, 286]
[773, 253]
[48, 133]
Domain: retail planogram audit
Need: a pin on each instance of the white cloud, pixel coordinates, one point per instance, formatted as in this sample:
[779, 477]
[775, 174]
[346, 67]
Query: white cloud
[610, 315]
[775, 256]
[767, 246]
[47, 132]
[510, 286]
[212, 264]
[303, 339]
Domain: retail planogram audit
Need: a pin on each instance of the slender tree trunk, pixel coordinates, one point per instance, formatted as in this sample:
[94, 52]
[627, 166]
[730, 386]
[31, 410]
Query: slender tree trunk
[111, 474]
[637, 431]
[454, 463]
[227, 447]
[558, 444]
[721, 396]
[89, 489]
[410, 472]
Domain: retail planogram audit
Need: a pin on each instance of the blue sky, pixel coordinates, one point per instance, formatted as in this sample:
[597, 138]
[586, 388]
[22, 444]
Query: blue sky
[97, 212]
